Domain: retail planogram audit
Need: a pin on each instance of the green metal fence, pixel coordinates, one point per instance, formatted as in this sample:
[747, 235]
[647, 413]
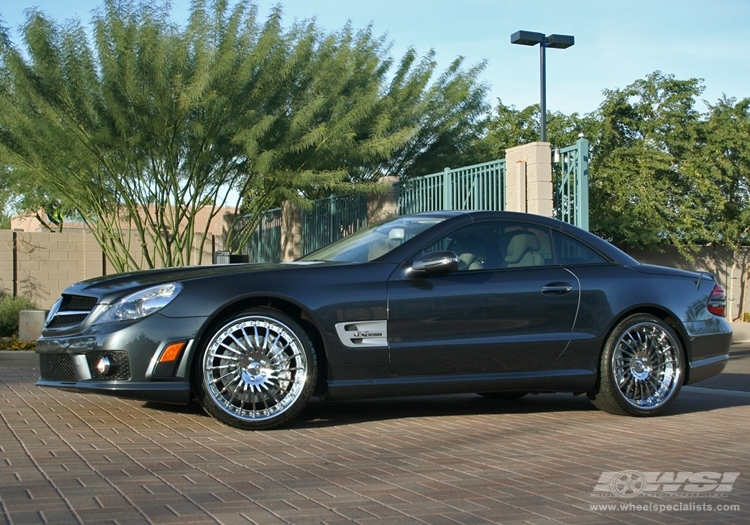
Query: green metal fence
[332, 218]
[265, 242]
[476, 187]
[572, 192]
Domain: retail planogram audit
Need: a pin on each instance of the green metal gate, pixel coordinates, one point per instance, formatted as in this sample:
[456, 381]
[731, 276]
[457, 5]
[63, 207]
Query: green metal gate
[476, 187]
[332, 218]
[265, 242]
[572, 191]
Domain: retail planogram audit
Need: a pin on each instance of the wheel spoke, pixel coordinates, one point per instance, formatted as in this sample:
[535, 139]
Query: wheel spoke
[224, 345]
[238, 343]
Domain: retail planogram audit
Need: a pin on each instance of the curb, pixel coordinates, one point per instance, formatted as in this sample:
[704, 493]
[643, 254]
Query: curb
[19, 358]
[740, 332]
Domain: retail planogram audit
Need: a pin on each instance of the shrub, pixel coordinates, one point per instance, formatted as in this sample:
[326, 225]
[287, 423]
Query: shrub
[9, 308]
[14, 343]
[746, 317]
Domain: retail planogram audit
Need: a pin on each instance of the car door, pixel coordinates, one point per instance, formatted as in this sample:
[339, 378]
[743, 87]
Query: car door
[502, 311]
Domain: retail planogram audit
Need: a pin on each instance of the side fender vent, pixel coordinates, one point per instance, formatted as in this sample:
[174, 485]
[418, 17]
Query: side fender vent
[363, 333]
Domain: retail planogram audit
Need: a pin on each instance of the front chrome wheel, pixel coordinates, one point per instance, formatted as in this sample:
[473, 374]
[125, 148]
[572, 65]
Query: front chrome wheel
[257, 370]
[642, 368]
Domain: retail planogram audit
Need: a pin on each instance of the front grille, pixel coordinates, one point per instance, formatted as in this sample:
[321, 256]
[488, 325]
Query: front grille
[66, 321]
[74, 309]
[77, 303]
[121, 358]
[56, 367]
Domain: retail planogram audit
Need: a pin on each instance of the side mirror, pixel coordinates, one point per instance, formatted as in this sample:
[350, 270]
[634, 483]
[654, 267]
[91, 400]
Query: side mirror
[434, 263]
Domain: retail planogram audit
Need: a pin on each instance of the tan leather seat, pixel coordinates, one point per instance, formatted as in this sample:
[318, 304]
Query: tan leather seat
[523, 250]
[471, 254]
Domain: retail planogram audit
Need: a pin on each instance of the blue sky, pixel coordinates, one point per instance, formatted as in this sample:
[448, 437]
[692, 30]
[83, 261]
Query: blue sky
[617, 42]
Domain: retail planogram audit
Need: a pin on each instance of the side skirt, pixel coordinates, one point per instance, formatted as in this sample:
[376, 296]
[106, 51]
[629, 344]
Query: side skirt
[537, 381]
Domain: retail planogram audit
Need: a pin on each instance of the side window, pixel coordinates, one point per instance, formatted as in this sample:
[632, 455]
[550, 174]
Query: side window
[473, 245]
[569, 251]
[526, 245]
[493, 245]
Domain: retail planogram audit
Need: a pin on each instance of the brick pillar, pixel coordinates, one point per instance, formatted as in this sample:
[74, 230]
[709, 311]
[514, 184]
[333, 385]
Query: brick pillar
[529, 170]
[382, 206]
[291, 232]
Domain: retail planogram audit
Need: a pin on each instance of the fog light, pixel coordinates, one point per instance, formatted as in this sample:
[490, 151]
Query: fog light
[106, 366]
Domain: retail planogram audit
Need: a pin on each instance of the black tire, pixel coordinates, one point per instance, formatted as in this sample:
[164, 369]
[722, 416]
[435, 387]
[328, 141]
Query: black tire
[641, 370]
[257, 370]
[506, 396]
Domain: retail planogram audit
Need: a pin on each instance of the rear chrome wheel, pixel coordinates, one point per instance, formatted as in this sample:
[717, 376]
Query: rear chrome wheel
[642, 368]
[258, 370]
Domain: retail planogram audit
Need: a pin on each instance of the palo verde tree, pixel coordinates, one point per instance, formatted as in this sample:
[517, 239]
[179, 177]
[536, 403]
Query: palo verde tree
[150, 124]
[448, 117]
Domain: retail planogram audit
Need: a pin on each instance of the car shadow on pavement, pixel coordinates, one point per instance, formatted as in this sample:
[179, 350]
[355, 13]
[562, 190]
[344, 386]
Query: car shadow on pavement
[335, 413]
[726, 381]
[331, 413]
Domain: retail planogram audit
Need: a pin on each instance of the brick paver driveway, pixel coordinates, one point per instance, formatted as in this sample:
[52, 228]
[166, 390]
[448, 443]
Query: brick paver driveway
[71, 458]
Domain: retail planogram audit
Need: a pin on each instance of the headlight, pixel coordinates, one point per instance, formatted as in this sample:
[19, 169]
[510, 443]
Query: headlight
[140, 304]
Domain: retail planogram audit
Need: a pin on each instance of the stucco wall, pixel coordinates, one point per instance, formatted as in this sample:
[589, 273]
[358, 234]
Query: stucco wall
[710, 259]
[47, 263]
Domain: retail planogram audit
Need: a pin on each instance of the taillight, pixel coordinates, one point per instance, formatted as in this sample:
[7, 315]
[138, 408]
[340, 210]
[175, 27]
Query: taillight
[717, 301]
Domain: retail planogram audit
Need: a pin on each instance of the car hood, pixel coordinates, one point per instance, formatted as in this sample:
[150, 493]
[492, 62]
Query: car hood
[112, 287]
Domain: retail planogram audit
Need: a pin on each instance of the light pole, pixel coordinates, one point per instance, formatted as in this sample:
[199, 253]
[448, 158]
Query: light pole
[529, 38]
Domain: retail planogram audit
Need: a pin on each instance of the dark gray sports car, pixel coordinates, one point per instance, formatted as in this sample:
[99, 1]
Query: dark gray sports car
[501, 304]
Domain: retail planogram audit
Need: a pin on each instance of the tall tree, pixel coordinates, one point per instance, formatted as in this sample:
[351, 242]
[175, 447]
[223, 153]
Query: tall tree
[151, 124]
[724, 159]
[641, 194]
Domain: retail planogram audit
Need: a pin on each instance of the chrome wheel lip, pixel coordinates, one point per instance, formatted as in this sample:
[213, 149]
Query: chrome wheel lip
[255, 368]
[647, 365]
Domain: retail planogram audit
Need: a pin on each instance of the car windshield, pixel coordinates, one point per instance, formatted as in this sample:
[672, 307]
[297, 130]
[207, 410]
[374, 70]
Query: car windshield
[371, 243]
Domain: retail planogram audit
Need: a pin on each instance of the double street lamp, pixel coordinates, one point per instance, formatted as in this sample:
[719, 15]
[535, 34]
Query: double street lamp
[529, 38]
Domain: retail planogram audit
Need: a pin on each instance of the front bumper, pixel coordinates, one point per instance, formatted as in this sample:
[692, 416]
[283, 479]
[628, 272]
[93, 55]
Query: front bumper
[69, 360]
[172, 392]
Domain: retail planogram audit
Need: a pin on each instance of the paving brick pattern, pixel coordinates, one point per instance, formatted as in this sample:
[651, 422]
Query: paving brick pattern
[72, 458]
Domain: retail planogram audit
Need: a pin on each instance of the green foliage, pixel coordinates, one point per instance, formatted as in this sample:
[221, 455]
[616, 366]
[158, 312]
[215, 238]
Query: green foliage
[642, 191]
[724, 159]
[9, 308]
[447, 117]
[661, 172]
[509, 127]
[150, 124]
[5, 208]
